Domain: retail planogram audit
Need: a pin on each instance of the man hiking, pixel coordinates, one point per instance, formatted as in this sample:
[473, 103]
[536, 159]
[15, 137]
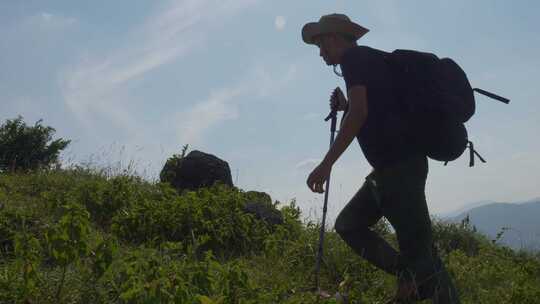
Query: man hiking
[395, 188]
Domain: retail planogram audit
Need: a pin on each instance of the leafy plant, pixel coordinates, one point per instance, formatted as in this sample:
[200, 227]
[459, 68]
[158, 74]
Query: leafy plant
[168, 174]
[103, 256]
[76, 236]
[452, 236]
[27, 148]
[68, 239]
[27, 250]
[212, 217]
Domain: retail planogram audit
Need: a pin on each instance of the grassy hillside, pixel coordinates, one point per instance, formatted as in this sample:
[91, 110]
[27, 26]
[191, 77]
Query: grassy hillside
[79, 236]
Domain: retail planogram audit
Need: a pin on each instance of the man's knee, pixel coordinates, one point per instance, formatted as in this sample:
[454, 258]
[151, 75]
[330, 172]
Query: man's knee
[340, 226]
[360, 213]
[344, 227]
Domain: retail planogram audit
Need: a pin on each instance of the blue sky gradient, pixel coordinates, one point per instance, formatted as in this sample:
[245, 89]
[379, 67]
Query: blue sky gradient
[136, 80]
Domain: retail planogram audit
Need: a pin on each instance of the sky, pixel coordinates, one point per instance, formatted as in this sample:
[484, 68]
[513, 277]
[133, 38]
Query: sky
[131, 82]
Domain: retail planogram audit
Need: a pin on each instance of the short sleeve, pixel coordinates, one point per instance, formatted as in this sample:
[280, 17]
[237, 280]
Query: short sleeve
[364, 66]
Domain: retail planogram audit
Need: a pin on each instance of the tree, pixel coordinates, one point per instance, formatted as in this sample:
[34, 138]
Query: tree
[27, 148]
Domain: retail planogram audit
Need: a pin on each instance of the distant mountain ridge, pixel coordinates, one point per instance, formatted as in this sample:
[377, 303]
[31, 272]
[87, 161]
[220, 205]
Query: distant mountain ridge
[462, 209]
[521, 219]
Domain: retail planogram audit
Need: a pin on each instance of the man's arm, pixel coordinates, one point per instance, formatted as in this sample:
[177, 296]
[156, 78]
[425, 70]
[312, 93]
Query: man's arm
[351, 124]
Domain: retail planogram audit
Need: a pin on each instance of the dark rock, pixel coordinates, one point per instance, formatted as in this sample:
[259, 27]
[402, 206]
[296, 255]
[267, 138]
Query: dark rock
[195, 170]
[265, 212]
[260, 197]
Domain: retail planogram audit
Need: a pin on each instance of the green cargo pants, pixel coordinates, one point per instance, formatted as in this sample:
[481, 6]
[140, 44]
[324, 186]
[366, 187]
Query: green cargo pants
[397, 193]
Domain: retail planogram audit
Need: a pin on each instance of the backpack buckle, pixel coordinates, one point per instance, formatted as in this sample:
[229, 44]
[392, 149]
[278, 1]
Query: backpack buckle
[472, 153]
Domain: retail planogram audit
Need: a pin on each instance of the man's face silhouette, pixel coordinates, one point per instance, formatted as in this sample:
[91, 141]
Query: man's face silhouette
[325, 44]
[330, 47]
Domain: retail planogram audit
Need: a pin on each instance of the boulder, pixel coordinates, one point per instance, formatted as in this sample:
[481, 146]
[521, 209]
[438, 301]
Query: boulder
[260, 205]
[260, 197]
[264, 212]
[195, 170]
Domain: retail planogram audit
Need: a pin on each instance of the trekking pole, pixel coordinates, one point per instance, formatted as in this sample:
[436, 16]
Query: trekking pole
[333, 116]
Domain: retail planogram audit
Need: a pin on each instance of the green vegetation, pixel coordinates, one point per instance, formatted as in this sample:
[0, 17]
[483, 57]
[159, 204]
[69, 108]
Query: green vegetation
[79, 236]
[26, 148]
[84, 235]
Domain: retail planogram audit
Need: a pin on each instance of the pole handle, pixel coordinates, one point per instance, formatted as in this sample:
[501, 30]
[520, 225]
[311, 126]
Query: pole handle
[491, 95]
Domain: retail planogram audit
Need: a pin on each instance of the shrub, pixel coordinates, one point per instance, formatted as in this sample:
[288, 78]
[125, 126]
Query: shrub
[211, 217]
[48, 224]
[168, 173]
[27, 148]
[453, 236]
[104, 198]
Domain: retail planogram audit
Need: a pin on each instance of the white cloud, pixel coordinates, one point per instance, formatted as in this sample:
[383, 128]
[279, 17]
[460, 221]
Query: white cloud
[222, 104]
[97, 88]
[93, 88]
[57, 20]
[46, 16]
[193, 123]
[35, 28]
[47, 21]
[280, 23]
[267, 83]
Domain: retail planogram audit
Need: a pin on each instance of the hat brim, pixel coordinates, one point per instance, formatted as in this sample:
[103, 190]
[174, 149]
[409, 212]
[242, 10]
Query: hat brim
[313, 29]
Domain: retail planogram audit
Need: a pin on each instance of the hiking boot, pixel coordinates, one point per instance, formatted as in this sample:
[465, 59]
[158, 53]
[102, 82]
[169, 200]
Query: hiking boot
[406, 292]
[411, 290]
[445, 292]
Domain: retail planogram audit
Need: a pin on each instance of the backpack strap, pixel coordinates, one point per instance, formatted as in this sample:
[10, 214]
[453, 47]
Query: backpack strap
[472, 153]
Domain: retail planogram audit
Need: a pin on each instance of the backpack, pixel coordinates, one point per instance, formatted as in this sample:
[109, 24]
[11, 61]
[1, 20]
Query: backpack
[437, 98]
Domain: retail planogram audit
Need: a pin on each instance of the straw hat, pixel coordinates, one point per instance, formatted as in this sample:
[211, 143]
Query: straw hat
[333, 23]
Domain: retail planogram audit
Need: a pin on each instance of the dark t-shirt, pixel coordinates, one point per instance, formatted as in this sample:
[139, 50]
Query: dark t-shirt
[385, 137]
